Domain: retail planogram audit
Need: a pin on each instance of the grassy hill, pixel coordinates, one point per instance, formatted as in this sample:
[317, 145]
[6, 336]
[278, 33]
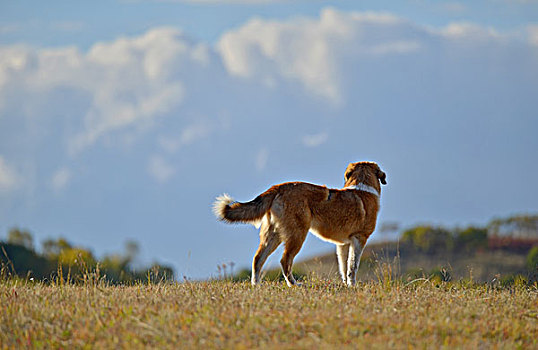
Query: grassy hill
[232, 315]
[434, 289]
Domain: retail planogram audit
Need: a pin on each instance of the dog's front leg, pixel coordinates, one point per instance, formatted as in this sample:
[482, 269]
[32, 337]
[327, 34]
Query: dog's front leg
[342, 252]
[354, 259]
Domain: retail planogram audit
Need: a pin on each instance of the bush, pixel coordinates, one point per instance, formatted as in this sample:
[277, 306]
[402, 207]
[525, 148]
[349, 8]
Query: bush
[23, 261]
[514, 281]
[472, 238]
[428, 239]
[532, 259]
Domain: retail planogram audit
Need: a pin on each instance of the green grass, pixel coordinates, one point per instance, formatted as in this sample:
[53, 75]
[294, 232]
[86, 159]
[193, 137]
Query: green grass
[224, 314]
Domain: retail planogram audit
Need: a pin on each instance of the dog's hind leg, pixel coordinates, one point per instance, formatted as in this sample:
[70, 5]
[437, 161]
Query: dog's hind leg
[355, 252]
[269, 241]
[292, 246]
[342, 252]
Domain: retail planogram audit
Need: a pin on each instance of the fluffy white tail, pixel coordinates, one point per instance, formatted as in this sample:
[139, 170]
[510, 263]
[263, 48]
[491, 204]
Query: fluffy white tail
[226, 209]
[220, 205]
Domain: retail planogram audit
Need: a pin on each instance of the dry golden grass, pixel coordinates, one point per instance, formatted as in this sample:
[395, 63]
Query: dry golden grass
[223, 314]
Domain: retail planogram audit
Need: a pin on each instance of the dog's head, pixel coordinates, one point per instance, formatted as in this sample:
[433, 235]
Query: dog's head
[367, 173]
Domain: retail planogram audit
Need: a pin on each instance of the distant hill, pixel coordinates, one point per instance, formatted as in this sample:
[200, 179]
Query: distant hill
[481, 266]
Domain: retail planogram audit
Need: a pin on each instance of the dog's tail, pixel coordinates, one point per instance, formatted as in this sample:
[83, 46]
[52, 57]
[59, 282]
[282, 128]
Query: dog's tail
[226, 209]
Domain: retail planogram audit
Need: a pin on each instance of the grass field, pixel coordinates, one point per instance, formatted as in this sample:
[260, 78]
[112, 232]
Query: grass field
[224, 314]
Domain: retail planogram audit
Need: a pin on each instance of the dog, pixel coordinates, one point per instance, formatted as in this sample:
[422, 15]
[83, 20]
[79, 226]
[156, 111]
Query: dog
[286, 212]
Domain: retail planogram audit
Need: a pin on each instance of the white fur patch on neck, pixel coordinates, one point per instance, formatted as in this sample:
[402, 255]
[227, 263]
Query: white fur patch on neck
[363, 187]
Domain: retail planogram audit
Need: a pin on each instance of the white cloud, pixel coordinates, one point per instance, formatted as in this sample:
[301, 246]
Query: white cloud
[324, 54]
[470, 32]
[532, 33]
[194, 132]
[111, 113]
[311, 51]
[169, 144]
[160, 169]
[9, 179]
[261, 159]
[315, 140]
[61, 178]
[128, 83]
[138, 81]
[188, 135]
[132, 84]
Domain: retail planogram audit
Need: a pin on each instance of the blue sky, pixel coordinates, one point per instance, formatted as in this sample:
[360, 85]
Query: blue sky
[81, 24]
[124, 120]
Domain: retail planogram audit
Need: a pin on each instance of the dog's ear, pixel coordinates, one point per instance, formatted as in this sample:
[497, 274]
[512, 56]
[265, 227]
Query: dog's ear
[349, 170]
[381, 176]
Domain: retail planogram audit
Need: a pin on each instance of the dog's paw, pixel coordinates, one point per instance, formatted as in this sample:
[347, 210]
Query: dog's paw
[295, 284]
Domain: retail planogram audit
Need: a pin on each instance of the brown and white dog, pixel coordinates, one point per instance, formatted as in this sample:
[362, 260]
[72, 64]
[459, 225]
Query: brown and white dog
[286, 212]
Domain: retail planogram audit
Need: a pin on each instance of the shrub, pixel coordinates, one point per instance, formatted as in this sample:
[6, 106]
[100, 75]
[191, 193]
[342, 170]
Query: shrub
[428, 239]
[532, 259]
[472, 238]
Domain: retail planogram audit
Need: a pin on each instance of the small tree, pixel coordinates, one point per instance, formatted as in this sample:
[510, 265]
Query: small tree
[21, 237]
[532, 259]
[132, 249]
[429, 239]
[74, 256]
[472, 238]
[53, 248]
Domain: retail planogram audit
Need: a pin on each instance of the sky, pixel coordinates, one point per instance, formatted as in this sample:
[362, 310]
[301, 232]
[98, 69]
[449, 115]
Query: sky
[123, 120]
